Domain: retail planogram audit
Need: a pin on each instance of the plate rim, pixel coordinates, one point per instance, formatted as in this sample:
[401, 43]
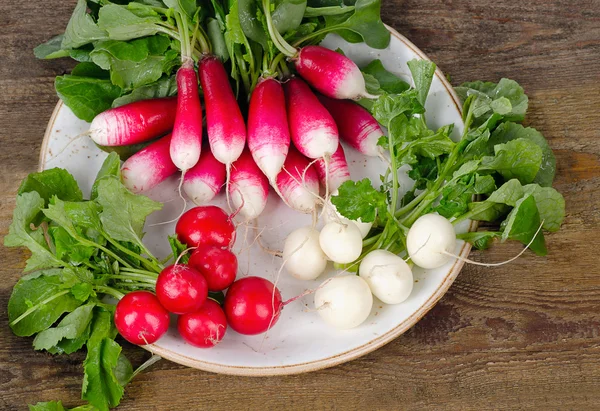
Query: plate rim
[330, 361]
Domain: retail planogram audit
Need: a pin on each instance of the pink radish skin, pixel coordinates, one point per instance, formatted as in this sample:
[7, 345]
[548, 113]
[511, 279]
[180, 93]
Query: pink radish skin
[356, 125]
[312, 128]
[299, 189]
[248, 186]
[225, 125]
[268, 130]
[338, 170]
[330, 72]
[187, 131]
[134, 123]
[148, 167]
[204, 181]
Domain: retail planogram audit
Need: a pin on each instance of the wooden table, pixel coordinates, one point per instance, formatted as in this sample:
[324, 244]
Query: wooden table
[526, 335]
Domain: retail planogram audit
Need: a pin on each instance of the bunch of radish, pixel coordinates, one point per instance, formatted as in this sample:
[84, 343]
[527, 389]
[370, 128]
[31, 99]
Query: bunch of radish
[251, 306]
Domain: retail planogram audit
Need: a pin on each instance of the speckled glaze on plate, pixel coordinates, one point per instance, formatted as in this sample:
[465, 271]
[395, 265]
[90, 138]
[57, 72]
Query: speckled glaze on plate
[300, 341]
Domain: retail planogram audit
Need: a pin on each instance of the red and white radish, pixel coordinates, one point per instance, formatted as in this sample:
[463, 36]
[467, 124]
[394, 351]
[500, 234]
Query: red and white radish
[248, 187]
[206, 225]
[224, 122]
[331, 73]
[298, 183]
[338, 171]
[431, 241]
[134, 123]
[304, 259]
[389, 276]
[252, 305]
[312, 128]
[341, 243]
[204, 181]
[356, 126]
[205, 327]
[268, 130]
[344, 302]
[181, 289]
[218, 266]
[186, 142]
[148, 167]
[140, 318]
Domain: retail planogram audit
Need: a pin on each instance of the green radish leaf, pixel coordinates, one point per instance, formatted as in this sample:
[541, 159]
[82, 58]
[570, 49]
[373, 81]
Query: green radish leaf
[101, 386]
[422, 73]
[178, 249]
[71, 327]
[90, 69]
[288, 14]
[81, 28]
[358, 199]
[371, 84]
[45, 295]
[53, 182]
[387, 81]
[522, 224]
[122, 24]
[69, 249]
[482, 240]
[111, 168]
[362, 24]
[51, 49]
[509, 193]
[123, 213]
[511, 131]
[217, 39]
[389, 106]
[123, 370]
[488, 211]
[57, 406]
[86, 97]
[550, 204]
[164, 87]
[20, 233]
[251, 27]
[518, 158]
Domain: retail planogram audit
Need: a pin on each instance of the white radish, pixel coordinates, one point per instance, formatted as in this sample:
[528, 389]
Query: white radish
[389, 276]
[344, 302]
[342, 243]
[302, 254]
[431, 241]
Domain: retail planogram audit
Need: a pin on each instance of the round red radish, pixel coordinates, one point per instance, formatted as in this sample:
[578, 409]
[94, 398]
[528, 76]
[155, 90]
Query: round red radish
[217, 265]
[204, 328]
[140, 318]
[252, 305]
[181, 289]
[206, 225]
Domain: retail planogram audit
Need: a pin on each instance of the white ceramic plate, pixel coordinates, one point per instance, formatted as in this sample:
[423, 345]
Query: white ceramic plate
[300, 341]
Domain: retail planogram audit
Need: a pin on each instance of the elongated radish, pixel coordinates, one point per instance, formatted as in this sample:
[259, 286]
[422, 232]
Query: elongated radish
[224, 122]
[330, 72]
[344, 302]
[389, 276]
[431, 241]
[338, 171]
[248, 187]
[268, 130]
[342, 243]
[331, 214]
[302, 253]
[206, 225]
[148, 167]
[204, 181]
[312, 128]
[186, 142]
[252, 305]
[134, 123]
[356, 125]
[298, 183]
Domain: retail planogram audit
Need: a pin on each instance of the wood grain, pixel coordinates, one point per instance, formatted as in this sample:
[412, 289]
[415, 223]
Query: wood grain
[523, 336]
